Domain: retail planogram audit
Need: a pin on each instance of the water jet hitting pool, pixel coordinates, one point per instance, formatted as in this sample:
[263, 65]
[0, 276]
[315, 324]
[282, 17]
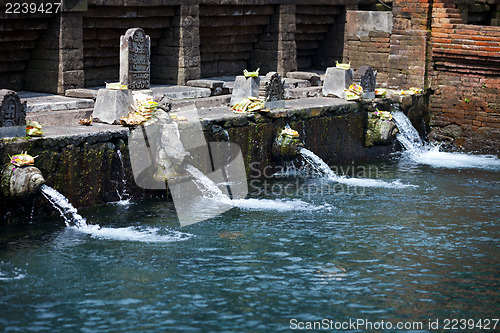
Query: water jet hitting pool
[419, 152]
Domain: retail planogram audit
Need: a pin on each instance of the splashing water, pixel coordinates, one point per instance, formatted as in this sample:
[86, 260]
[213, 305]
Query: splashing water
[210, 190]
[124, 197]
[65, 208]
[137, 234]
[408, 135]
[321, 168]
[75, 221]
[419, 152]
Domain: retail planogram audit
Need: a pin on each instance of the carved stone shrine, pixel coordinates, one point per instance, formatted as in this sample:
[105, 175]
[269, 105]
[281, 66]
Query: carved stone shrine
[12, 114]
[275, 88]
[368, 81]
[135, 53]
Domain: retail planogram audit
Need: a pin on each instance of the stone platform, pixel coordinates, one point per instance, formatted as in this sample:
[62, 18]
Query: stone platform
[83, 163]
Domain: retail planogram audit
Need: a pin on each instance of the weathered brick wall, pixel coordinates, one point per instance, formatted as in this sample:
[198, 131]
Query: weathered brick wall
[369, 45]
[409, 55]
[465, 106]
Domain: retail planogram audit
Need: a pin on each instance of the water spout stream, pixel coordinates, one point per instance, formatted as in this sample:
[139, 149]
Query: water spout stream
[65, 208]
[423, 153]
[210, 190]
[77, 222]
[324, 171]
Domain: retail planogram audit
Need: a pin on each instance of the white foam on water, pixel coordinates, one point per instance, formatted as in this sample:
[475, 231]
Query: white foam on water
[324, 170]
[123, 202]
[138, 234]
[9, 273]
[370, 182]
[421, 153]
[433, 157]
[277, 205]
[135, 234]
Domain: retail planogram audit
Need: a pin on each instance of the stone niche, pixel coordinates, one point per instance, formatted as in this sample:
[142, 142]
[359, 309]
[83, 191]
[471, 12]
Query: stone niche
[135, 54]
[12, 114]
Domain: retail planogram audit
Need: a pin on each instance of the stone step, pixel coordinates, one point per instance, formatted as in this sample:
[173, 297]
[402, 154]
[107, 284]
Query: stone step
[217, 87]
[200, 103]
[40, 102]
[304, 92]
[59, 118]
[313, 78]
[181, 92]
[172, 91]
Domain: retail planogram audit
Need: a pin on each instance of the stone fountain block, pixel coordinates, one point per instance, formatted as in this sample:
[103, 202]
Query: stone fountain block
[336, 80]
[245, 87]
[111, 105]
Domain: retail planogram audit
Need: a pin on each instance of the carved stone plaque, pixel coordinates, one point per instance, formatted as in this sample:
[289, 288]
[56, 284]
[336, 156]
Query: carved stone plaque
[368, 81]
[12, 111]
[135, 53]
[275, 88]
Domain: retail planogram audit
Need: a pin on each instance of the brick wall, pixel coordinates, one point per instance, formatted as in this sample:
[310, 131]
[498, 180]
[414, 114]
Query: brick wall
[465, 106]
[409, 54]
[369, 44]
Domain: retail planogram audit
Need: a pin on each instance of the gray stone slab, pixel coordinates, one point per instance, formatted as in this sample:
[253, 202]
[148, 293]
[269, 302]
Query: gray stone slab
[304, 92]
[69, 117]
[82, 93]
[12, 131]
[200, 103]
[205, 83]
[313, 78]
[181, 92]
[296, 83]
[273, 105]
[111, 105]
[36, 102]
[216, 87]
[336, 80]
[245, 87]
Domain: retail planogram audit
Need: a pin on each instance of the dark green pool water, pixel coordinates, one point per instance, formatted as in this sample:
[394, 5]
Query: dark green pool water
[409, 254]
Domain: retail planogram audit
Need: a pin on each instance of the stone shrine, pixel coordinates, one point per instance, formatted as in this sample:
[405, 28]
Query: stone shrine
[12, 114]
[135, 53]
[336, 80]
[245, 87]
[368, 81]
[275, 92]
[275, 88]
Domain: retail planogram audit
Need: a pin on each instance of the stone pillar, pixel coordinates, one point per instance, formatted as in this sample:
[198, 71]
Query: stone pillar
[189, 43]
[71, 73]
[287, 49]
[57, 64]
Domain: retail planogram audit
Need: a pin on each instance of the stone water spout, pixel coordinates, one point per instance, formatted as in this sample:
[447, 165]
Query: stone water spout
[287, 144]
[20, 182]
[172, 156]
